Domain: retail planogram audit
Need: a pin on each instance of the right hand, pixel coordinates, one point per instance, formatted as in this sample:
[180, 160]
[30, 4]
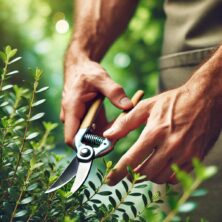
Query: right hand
[84, 80]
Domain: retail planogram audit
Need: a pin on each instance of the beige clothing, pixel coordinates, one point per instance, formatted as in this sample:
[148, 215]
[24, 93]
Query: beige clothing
[193, 30]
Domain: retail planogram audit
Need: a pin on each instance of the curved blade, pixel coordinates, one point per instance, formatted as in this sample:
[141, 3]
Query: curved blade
[81, 175]
[66, 176]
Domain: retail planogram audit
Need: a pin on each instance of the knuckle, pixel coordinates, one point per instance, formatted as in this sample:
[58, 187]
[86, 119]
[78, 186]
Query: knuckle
[116, 90]
[173, 139]
[141, 104]
[65, 102]
[122, 121]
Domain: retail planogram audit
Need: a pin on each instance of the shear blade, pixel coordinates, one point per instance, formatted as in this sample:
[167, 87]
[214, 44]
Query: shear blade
[81, 175]
[66, 176]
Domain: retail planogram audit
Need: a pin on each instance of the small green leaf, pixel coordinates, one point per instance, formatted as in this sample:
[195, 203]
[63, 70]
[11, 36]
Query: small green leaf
[49, 126]
[38, 74]
[118, 194]
[32, 135]
[38, 102]
[134, 210]
[92, 185]
[109, 164]
[95, 207]
[142, 177]
[87, 193]
[37, 116]
[210, 171]
[8, 49]
[100, 177]
[3, 56]
[27, 200]
[112, 201]
[135, 194]
[15, 60]
[42, 89]
[27, 151]
[21, 213]
[99, 171]
[4, 104]
[144, 198]
[37, 165]
[105, 193]
[125, 185]
[141, 186]
[12, 53]
[12, 73]
[125, 217]
[159, 201]
[88, 207]
[128, 203]
[199, 192]
[150, 194]
[130, 171]
[7, 87]
[32, 187]
[95, 201]
[187, 207]
[121, 210]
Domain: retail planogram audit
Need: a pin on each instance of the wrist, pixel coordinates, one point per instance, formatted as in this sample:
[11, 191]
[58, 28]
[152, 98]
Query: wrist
[75, 54]
[207, 80]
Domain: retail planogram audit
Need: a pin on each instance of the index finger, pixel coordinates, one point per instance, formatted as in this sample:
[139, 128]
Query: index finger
[134, 156]
[73, 114]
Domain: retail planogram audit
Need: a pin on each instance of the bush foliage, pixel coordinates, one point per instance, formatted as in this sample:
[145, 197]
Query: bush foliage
[27, 169]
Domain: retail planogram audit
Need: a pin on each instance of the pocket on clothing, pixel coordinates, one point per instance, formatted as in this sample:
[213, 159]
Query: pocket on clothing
[176, 69]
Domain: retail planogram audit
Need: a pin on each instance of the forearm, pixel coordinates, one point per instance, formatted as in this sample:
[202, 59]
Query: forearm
[97, 24]
[207, 80]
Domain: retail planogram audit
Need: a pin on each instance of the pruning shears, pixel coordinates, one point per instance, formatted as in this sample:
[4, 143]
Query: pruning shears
[88, 147]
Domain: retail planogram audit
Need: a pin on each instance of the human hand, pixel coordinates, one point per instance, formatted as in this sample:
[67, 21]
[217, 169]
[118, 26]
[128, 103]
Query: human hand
[84, 80]
[180, 124]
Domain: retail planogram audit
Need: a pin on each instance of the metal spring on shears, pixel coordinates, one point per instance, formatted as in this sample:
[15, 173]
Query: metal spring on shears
[93, 139]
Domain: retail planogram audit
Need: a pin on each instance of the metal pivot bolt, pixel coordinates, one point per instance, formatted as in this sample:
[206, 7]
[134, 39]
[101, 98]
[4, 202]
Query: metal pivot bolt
[85, 153]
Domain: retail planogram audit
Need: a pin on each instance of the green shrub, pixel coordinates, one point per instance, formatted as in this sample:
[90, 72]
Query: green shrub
[27, 169]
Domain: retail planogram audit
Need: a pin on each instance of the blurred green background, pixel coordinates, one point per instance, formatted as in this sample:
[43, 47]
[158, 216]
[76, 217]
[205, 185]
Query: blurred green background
[41, 29]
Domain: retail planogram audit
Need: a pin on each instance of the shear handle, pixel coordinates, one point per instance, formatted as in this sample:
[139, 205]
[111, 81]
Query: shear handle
[91, 114]
[94, 108]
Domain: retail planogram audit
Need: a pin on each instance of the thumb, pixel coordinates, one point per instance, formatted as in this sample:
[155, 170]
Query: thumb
[115, 93]
[130, 121]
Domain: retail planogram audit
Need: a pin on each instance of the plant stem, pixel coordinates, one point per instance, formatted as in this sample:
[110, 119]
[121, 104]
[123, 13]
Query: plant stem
[4, 73]
[1, 85]
[182, 200]
[103, 219]
[48, 206]
[96, 192]
[20, 195]
[26, 128]
[43, 140]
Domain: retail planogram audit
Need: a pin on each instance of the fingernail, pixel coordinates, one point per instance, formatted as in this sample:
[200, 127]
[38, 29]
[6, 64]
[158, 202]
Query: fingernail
[125, 101]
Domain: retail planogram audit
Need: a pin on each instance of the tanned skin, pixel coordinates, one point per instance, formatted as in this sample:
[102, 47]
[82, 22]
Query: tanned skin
[180, 124]
[97, 24]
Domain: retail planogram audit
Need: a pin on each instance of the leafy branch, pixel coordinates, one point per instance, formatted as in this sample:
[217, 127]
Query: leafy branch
[190, 184]
[29, 118]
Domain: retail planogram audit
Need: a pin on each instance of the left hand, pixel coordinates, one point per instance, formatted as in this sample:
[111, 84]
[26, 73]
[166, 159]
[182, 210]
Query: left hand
[180, 124]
